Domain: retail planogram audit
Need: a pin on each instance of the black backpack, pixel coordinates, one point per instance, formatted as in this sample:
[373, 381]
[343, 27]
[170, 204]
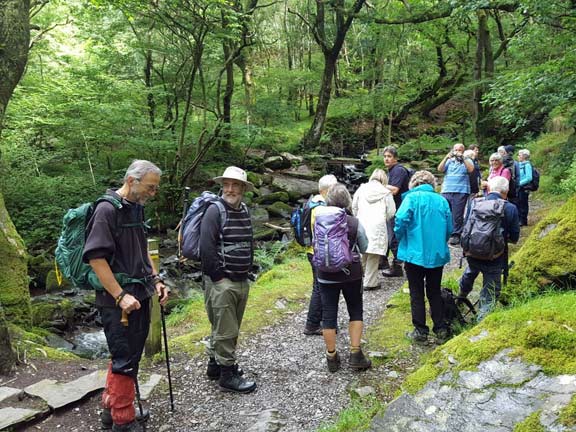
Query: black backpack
[301, 221]
[512, 184]
[535, 183]
[451, 306]
[482, 236]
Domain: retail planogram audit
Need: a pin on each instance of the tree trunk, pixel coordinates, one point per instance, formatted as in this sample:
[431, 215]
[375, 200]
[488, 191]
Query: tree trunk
[323, 101]
[482, 40]
[14, 294]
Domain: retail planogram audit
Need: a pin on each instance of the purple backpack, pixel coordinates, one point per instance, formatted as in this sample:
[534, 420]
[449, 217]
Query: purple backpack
[331, 246]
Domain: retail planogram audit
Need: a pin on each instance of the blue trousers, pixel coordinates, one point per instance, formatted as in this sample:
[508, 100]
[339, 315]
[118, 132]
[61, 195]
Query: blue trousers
[491, 282]
[457, 202]
[522, 204]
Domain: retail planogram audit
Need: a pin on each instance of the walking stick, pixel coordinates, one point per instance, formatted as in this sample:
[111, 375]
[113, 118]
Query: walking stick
[167, 358]
[143, 424]
[180, 225]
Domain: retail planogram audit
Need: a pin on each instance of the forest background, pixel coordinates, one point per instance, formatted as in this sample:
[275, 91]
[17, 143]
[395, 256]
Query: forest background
[194, 85]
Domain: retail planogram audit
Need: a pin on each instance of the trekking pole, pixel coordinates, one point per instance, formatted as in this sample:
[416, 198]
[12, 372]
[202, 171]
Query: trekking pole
[167, 358]
[184, 210]
[143, 424]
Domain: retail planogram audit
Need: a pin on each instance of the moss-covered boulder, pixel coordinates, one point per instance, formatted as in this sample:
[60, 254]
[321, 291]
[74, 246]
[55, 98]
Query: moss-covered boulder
[273, 197]
[14, 293]
[547, 256]
[255, 179]
[53, 314]
[279, 209]
[52, 284]
[38, 268]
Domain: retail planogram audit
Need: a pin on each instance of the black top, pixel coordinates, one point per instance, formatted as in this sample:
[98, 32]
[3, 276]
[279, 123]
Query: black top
[124, 247]
[231, 256]
[398, 177]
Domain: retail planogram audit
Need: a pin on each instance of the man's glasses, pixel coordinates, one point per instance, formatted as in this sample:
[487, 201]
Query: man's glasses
[149, 187]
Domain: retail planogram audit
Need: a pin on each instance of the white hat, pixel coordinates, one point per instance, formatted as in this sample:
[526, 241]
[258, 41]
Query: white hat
[235, 173]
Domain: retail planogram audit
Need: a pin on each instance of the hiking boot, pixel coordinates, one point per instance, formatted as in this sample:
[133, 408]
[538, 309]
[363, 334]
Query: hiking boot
[417, 336]
[454, 240]
[442, 336]
[358, 361]
[333, 362]
[312, 331]
[383, 264]
[395, 270]
[106, 422]
[213, 369]
[133, 426]
[232, 381]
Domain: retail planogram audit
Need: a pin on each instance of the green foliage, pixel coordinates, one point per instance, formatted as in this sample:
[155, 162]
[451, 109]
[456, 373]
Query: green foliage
[269, 254]
[568, 413]
[356, 417]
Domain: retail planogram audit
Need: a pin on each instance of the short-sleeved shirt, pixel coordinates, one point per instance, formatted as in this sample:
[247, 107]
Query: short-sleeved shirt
[456, 179]
[124, 248]
[398, 177]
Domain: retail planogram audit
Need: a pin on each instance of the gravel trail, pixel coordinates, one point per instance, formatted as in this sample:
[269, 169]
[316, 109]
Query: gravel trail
[295, 390]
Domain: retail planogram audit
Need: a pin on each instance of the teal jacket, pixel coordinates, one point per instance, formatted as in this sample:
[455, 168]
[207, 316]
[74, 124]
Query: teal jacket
[423, 227]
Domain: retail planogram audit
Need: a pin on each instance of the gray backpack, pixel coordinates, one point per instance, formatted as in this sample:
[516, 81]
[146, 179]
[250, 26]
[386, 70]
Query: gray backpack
[482, 236]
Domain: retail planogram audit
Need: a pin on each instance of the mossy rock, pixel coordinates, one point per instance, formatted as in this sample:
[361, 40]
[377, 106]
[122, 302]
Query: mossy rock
[280, 209]
[45, 313]
[38, 268]
[547, 257]
[52, 285]
[273, 197]
[255, 179]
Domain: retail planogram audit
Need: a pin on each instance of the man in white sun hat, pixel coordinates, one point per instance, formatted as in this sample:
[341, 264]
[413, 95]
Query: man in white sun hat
[226, 254]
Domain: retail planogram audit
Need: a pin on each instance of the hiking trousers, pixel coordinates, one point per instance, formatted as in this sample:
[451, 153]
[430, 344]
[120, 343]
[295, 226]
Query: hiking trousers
[491, 283]
[314, 318]
[457, 202]
[370, 263]
[225, 302]
[126, 344]
[422, 279]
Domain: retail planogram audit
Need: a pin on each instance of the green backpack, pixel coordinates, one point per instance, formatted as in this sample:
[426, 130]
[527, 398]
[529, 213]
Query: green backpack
[68, 254]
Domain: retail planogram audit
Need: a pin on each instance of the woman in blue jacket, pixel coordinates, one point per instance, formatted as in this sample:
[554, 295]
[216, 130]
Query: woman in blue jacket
[423, 227]
[525, 169]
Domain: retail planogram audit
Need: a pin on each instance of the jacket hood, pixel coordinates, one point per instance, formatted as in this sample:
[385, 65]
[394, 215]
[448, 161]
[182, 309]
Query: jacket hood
[374, 191]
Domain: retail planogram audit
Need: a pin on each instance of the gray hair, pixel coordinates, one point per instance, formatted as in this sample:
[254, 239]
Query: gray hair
[338, 196]
[326, 181]
[392, 150]
[498, 184]
[422, 177]
[501, 150]
[525, 153]
[379, 175]
[496, 156]
[139, 168]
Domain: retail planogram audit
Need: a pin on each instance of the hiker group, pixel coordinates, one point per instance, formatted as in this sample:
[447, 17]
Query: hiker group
[348, 240]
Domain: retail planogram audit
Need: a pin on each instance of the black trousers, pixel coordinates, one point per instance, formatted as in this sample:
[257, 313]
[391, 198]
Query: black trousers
[420, 278]
[126, 343]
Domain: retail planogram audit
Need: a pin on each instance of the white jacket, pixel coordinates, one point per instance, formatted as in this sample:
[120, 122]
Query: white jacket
[373, 205]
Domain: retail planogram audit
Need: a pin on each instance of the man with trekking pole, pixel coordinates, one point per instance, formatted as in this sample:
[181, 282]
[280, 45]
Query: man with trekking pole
[116, 249]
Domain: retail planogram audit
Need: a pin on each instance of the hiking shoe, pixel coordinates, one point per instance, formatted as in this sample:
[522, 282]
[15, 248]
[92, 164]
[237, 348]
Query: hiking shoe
[213, 370]
[442, 336]
[358, 361]
[333, 362]
[133, 426]
[232, 381]
[417, 336]
[454, 240]
[106, 422]
[312, 331]
[383, 263]
[395, 270]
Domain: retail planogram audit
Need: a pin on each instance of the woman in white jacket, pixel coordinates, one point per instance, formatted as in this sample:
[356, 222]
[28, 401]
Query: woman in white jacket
[373, 205]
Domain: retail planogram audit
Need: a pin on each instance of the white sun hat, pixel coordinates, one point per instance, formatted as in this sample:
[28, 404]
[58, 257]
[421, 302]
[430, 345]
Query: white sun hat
[235, 173]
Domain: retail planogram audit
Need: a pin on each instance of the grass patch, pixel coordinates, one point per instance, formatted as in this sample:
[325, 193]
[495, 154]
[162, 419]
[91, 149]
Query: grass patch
[290, 282]
[540, 331]
[568, 413]
[356, 417]
[530, 424]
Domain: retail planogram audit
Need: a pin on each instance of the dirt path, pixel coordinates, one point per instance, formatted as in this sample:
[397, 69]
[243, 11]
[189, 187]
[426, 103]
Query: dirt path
[290, 369]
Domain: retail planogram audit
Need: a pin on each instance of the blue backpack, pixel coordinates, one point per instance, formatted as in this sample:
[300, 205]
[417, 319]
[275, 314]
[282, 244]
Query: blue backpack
[190, 227]
[301, 221]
